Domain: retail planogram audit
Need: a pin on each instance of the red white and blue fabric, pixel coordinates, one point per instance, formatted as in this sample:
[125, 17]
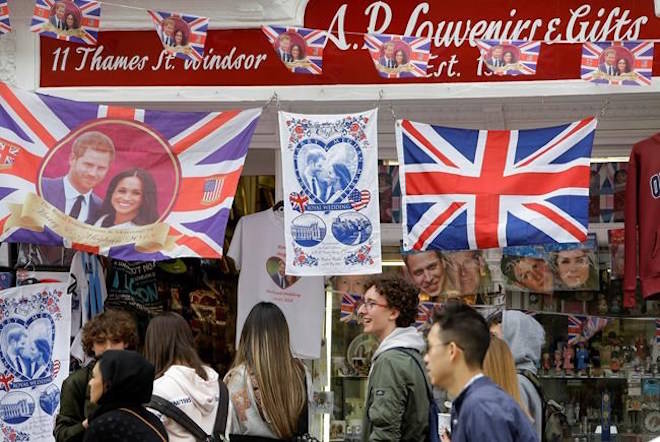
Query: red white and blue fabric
[313, 40]
[196, 30]
[350, 303]
[478, 189]
[593, 325]
[641, 69]
[90, 20]
[416, 65]
[575, 323]
[207, 145]
[425, 313]
[657, 332]
[5, 26]
[528, 58]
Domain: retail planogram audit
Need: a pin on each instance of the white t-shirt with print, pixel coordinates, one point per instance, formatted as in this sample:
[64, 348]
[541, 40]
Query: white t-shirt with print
[258, 248]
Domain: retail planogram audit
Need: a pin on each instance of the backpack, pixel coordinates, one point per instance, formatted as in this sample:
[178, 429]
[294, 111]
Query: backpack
[166, 408]
[551, 411]
[433, 407]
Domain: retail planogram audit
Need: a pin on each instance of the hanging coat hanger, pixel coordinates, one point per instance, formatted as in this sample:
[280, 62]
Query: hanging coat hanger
[279, 206]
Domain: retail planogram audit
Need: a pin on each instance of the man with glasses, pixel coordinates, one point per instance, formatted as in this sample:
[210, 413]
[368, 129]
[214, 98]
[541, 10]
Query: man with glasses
[397, 407]
[481, 411]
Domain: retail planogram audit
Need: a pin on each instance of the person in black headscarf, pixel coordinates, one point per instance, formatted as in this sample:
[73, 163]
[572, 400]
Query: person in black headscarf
[121, 382]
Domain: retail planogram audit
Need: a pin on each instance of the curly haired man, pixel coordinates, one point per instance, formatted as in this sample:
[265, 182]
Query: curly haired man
[398, 391]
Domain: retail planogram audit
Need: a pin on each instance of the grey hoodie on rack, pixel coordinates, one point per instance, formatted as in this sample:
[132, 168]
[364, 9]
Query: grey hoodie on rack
[525, 337]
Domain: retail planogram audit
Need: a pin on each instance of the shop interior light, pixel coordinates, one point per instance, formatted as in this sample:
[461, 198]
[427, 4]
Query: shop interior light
[610, 159]
[393, 263]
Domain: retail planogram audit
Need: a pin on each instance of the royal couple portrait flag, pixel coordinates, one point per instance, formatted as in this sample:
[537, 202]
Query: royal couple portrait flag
[71, 20]
[299, 49]
[331, 211]
[510, 57]
[5, 26]
[622, 63]
[478, 189]
[399, 56]
[182, 35]
[35, 331]
[132, 184]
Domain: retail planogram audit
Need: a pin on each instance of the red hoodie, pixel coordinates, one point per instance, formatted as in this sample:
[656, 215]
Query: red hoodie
[642, 216]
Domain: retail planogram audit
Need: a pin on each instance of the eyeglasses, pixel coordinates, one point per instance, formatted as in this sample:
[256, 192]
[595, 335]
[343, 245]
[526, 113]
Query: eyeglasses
[369, 305]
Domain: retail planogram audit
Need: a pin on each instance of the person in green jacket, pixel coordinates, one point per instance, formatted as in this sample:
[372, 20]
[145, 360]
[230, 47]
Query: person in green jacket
[397, 407]
[110, 330]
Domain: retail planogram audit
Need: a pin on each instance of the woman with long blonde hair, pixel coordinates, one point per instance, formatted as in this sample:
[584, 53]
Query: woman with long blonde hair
[501, 368]
[267, 385]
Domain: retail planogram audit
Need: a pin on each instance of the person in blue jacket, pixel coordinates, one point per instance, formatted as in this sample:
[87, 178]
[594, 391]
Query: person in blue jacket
[481, 411]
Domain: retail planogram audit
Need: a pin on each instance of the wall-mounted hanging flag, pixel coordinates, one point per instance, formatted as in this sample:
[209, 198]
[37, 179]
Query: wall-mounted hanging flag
[620, 63]
[479, 189]
[510, 57]
[398, 56]
[71, 20]
[182, 35]
[300, 49]
[5, 26]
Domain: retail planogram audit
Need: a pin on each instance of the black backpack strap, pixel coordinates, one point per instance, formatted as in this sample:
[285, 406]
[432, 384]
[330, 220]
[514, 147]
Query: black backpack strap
[165, 407]
[223, 407]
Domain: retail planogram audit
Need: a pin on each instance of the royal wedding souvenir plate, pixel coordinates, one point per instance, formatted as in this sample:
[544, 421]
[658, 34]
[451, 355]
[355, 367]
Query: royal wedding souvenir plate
[360, 352]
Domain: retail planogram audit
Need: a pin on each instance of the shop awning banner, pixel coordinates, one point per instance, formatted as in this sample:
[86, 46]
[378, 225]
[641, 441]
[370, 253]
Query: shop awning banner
[133, 184]
[35, 328]
[627, 63]
[330, 174]
[299, 49]
[398, 56]
[181, 35]
[478, 189]
[71, 20]
[5, 26]
[514, 57]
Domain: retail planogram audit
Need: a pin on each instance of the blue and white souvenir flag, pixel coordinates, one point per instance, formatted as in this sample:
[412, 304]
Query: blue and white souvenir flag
[35, 328]
[331, 215]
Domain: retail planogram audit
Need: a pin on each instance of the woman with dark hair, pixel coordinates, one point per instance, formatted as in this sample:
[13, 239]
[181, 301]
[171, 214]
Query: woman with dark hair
[179, 38]
[400, 58]
[622, 66]
[121, 382]
[575, 269]
[339, 178]
[181, 377]
[268, 387]
[130, 200]
[71, 21]
[297, 53]
[508, 58]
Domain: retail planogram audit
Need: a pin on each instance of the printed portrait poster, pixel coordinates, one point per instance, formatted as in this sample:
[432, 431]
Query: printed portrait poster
[575, 266]
[330, 170]
[35, 323]
[132, 184]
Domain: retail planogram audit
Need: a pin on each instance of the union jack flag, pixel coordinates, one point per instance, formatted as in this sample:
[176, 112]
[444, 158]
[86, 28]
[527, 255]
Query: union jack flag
[181, 34]
[350, 303]
[5, 26]
[407, 58]
[359, 199]
[479, 189]
[298, 201]
[310, 43]
[524, 56]
[630, 65]
[425, 312]
[199, 146]
[79, 22]
[657, 332]
[8, 152]
[575, 324]
[593, 325]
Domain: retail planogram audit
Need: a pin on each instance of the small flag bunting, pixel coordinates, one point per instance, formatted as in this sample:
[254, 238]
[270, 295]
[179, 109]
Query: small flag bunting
[626, 63]
[300, 49]
[72, 20]
[574, 328]
[425, 313]
[510, 57]
[350, 303]
[399, 56]
[182, 35]
[5, 26]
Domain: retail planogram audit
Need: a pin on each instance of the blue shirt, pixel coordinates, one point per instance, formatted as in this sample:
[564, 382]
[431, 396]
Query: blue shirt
[483, 412]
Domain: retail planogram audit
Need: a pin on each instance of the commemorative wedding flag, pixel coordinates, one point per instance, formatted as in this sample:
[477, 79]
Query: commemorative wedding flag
[627, 63]
[182, 35]
[70, 20]
[510, 57]
[300, 49]
[5, 26]
[350, 303]
[479, 189]
[133, 184]
[35, 323]
[399, 56]
[330, 171]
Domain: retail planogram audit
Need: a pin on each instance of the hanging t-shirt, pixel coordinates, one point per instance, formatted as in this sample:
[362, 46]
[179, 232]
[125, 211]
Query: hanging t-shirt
[88, 292]
[259, 252]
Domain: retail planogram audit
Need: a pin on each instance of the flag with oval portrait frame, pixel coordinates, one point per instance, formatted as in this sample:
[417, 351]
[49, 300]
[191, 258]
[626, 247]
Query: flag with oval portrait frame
[620, 63]
[299, 49]
[510, 57]
[71, 20]
[181, 34]
[399, 56]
